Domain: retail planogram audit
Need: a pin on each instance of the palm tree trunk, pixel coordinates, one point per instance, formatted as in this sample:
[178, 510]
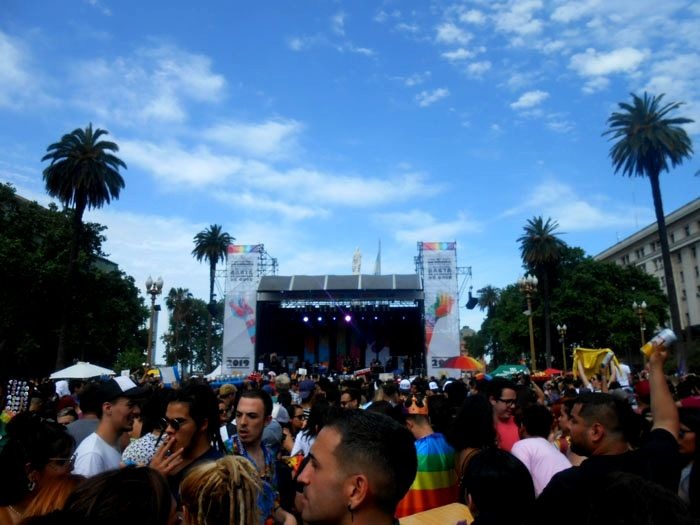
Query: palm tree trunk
[69, 286]
[212, 276]
[668, 269]
[547, 332]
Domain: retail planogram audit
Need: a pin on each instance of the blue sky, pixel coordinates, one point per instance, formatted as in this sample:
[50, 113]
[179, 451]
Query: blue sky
[316, 127]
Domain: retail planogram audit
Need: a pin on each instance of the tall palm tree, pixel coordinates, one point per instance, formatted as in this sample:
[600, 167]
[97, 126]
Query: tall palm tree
[647, 139]
[84, 174]
[541, 250]
[210, 245]
[488, 298]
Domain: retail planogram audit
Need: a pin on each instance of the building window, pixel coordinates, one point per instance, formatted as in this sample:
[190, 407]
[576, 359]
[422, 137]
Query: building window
[687, 230]
[693, 251]
[672, 238]
[663, 281]
[682, 277]
[684, 296]
[679, 257]
[687, 318]
[697, 272]
[652, 246]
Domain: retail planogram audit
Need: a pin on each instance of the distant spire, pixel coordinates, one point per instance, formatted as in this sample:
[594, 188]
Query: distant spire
[356, 262]
[378, 262]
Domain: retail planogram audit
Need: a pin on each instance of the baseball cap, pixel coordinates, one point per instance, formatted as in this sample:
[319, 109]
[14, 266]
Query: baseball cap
[120, 386]
[280, 414]
[405, 385]
[433, 386]
[306, 387]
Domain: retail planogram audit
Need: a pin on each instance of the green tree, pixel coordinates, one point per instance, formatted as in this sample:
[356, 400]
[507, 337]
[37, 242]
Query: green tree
[488, 297]
[210, 245]
[647, 139]
[180, 304]
[541, 250]
[109, 314]
[84, 174]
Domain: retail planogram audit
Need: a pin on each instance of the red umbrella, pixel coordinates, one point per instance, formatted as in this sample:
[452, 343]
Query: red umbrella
[553, 371]
[462, 362]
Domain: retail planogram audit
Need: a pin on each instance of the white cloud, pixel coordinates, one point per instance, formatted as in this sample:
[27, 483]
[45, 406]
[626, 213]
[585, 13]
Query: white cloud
[530, 99]
[478, 68]
[594, 63]
[458, 55]
[359, 50]
[338, 24]
[270, 138]
[404, 27]
[20, 85]
[416, 79]
[573, 11]
[449, 33]
[154, 85]
[426, 98]
[260, 203]
[518, 16]
[417, 225]
[595, 84]
[472, 16]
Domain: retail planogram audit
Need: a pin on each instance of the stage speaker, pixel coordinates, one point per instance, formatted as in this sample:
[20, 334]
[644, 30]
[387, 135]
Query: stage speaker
[472, 302]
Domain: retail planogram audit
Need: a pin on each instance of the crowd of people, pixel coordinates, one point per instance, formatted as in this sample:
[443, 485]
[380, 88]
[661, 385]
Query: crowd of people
[314, 450]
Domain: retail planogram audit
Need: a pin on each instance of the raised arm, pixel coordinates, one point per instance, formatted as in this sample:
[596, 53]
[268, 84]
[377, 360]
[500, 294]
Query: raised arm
[663, 410]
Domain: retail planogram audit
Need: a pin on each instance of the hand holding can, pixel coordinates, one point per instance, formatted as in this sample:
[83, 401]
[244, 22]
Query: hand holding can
[665, 338]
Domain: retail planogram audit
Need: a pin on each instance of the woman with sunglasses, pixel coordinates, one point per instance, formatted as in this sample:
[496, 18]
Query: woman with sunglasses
[35, 451]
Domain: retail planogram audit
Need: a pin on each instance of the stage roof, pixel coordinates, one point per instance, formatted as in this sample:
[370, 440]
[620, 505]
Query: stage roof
[366, 287]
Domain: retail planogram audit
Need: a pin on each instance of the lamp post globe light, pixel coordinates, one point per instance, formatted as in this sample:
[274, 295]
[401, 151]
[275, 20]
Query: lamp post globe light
[154, 288]
[641, 309]
[528, 286]
[562, 334]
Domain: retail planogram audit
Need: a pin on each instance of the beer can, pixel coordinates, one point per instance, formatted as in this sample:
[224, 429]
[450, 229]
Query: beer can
[665, 338]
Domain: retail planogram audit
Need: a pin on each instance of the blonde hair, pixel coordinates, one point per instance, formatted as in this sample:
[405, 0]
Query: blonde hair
[224, 492]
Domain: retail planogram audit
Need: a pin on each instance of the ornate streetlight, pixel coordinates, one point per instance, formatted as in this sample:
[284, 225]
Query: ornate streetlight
[154, 288]
[641, 310]
[562, 334]
[528, 286]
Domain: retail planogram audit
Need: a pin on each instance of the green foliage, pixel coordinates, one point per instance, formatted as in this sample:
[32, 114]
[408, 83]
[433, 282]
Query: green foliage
[594, 299]
[108, 312]
[131, 360]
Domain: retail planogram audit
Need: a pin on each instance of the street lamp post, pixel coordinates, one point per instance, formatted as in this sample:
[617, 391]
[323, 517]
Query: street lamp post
[562, 334]
[641, 310]
[528, 286]
[154, 288]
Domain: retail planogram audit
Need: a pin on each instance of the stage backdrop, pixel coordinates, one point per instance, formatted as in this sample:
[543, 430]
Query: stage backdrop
[441, 309]
[242, 279]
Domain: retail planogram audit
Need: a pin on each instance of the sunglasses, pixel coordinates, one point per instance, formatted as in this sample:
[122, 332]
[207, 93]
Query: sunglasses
[509, 402]
[62, 462]
[174, 423]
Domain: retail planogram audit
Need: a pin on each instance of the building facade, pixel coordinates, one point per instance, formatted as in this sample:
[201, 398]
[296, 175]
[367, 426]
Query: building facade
[643, 249]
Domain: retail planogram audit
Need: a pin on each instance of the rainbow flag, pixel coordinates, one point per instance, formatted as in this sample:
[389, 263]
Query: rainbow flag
[243, 248]
[438, 246]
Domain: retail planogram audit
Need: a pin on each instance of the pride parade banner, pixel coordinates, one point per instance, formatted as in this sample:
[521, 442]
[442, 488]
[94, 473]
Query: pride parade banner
[439, 268]
[242, 279]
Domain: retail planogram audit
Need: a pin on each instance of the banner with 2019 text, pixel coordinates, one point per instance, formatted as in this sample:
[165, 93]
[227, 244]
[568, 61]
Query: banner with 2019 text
[439, 261]
[242, 279]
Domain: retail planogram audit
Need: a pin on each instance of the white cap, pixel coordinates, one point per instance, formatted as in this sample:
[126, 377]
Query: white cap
[433, 386]
[405, 384]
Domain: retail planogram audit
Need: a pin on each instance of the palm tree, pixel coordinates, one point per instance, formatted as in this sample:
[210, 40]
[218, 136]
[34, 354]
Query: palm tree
[84, 173]
[646, 140]
[488, 298]
[541, 249]
[211, 244]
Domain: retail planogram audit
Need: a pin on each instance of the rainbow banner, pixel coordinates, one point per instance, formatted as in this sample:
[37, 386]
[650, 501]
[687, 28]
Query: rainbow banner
[439, 268]
[242, 279]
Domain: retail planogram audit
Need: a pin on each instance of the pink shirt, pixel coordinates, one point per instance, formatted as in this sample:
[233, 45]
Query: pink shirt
[541, 458]
[507, 432]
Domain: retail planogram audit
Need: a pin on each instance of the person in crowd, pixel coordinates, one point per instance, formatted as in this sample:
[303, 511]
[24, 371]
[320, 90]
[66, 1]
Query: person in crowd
[66, 416]
[562, 435]
[435, 484]
[600, 429]
[140, 451]
[192, 426]
[498, 489]
[253, 412]
[350, 398]
[502, 396]
[472, 430]
[360, 466]
[541, 457]
[296, 425]
[306, 390]
[224, 492]
[137, 496]
[273, 431]
[34, 451]
[90, 408]
[688, 433]
[100, 451]
[52, 495]
[317, 419]
[227, 394]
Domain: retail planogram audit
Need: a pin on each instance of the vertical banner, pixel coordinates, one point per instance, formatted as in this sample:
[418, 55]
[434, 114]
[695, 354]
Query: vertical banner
[242, 279]
[439, 261]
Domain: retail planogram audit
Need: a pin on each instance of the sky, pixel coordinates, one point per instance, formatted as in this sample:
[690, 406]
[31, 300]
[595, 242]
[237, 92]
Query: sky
[318, 127]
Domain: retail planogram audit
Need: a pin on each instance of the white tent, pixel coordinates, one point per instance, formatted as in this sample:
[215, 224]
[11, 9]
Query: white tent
[82, 370]
[214, 373]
